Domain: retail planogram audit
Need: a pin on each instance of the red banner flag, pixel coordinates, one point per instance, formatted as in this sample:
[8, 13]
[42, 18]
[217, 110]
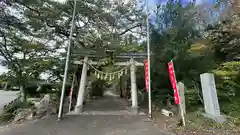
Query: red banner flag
[173, 81]
[146, 74]
[70, 94]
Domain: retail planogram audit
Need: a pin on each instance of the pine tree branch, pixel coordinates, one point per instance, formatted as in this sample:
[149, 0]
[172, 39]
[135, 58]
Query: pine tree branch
[64, 33]
[4, 52]
[130, 29]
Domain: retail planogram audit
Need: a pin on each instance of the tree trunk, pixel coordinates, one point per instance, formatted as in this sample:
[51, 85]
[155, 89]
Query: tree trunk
[23, 96]
[5, 86]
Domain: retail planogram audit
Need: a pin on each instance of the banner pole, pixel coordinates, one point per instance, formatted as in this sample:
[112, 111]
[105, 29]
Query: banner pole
[67, 62]
[149, 67]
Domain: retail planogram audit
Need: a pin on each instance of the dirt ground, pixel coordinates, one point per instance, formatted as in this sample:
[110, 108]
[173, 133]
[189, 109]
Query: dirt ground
[100, 123]
[110, 116]
[196, 124]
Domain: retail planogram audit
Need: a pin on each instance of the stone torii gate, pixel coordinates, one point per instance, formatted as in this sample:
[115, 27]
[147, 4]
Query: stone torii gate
[79, 108]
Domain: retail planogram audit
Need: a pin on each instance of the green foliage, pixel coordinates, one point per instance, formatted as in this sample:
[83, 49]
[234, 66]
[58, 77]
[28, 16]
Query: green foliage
[23, 52]
[98, 87]
[228, 85]
[33, 91]
[224, 37]
[172, 36]
[216, 49]
[95, 27]
[30, 43]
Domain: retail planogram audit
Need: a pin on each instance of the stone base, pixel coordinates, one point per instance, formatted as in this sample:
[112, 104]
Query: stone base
[218, 119]
[79, 109]
[135, 110]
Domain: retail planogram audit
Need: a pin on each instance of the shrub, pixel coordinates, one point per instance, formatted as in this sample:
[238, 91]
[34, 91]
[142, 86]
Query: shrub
[9, 110]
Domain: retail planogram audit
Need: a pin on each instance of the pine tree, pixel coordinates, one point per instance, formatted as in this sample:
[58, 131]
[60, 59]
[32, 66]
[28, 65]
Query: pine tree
[24, 54]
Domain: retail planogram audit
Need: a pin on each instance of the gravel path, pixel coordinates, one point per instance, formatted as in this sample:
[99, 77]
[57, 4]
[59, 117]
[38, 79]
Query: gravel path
[98, 124]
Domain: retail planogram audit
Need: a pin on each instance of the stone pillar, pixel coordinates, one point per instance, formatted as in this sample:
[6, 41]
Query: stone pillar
[210, 98]
[80, 98]
[133, 87]
[181, 92]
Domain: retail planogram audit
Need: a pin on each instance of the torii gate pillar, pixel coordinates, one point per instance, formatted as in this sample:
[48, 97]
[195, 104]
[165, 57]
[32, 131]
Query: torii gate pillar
[133, 87]
[80, 98]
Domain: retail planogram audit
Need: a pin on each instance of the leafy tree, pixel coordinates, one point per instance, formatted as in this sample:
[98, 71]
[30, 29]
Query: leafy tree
[99, 25]
[224, 38]
[175, 31]
[24, 55]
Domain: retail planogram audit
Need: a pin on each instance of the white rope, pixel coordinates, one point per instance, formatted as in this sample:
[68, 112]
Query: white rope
[109, 75]
[114, 72]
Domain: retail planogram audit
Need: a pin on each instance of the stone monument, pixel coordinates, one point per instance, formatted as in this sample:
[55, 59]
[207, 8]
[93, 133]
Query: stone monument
[181, 92]
[210, 98]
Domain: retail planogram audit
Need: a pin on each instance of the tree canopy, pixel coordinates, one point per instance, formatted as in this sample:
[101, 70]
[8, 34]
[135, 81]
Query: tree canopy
[201, 38]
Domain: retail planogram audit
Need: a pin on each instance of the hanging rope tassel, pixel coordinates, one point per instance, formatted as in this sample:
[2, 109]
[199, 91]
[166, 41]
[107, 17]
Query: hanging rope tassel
[98, 75]
[106, 77]
[95, 73]
[102, 76]
[110, 77]
[126, 71]
[113, 77]
[121, 73]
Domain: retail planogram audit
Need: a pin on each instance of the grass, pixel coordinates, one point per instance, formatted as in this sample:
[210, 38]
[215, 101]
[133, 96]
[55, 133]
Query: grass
[197, 124]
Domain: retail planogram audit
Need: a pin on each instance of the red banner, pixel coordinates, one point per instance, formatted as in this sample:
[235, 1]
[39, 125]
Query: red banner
[146, 74]
[70, 93]
[173, 82]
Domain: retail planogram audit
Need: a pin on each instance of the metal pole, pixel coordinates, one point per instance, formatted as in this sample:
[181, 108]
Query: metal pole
[67, 61]
[149, 72]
